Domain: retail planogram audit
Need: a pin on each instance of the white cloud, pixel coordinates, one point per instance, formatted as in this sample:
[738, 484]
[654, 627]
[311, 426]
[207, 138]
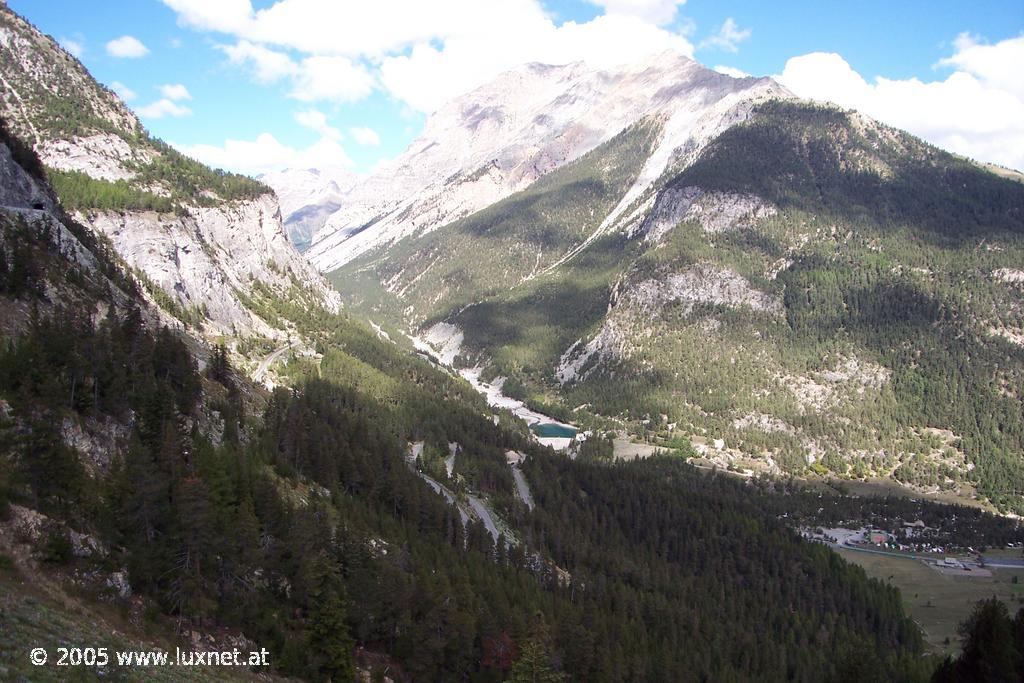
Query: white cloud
[161, 108]
[123, 91]
[346, 28]
[731, 71]
[128, 47]
[429, 76]
[315, 78]
[266, 153]
[175, 91]
[268, 66]
[729, 36]
[366, 137]
[75, 46]
[317, 122]
[825, 76]
[659, 12]
[1000, 65]
[423, 53]
[227, 16]
[335, 79]
[977, 111]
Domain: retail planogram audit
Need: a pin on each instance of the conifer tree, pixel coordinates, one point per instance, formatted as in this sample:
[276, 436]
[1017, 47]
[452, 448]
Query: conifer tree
[993, 648]
[534, 664]
[5, 269]
[54, 470]
[220, 367]
[330, 644]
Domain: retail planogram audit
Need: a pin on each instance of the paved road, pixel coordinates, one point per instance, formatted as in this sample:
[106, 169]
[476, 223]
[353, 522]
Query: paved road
[478, 507]
[448, 495]
[1003, 562]
[522, 487]
[990, 562]
[484, 514]
[265, 364]
[906, 556]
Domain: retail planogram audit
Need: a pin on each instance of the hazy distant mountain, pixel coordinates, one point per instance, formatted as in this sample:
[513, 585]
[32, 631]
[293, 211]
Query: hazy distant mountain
[308, 198]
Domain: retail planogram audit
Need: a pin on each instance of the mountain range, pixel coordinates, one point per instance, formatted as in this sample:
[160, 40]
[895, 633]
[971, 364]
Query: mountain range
[364, 520]
[390, 427]
[700, 260]
[502, 137]
[308, 198]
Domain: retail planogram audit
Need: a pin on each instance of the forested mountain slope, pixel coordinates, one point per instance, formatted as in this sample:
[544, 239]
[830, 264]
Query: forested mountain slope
[135, 461]
[208, 245]
[812, 291]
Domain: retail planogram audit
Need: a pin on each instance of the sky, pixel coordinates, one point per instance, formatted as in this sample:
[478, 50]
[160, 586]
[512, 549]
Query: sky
[260, 85]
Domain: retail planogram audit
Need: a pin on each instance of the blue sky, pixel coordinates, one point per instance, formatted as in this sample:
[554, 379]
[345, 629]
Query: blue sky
[319, 82]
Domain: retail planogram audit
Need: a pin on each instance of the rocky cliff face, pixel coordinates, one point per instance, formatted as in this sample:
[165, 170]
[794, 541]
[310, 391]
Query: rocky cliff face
[502, 137]
[19, 190]
[222, 246]
[211, 258]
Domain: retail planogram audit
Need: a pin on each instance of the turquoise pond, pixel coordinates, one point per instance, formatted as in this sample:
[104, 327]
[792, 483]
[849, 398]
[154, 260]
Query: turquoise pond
[548, 430]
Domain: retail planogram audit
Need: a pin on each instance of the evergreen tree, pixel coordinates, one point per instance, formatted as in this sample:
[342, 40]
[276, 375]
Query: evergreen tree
[53, 469]
[331, 647]
[534, 664]
[144, 493]
[5, 269]
[220, 368]
[246, 532]
[195, 538]
[9, 467]
[993, 650]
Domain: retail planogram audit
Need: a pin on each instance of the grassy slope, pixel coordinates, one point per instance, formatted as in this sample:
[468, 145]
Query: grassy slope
[38, 611]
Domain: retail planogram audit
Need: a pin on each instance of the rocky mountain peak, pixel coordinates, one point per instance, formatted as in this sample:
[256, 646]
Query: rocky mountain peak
[504, 135]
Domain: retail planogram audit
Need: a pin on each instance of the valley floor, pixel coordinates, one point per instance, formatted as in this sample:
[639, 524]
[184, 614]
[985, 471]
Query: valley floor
[937, 601]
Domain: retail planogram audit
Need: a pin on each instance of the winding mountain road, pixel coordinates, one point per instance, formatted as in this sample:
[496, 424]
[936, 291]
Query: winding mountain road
[522, 487]
[448, 495]
[484, 514]
[269, 360]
